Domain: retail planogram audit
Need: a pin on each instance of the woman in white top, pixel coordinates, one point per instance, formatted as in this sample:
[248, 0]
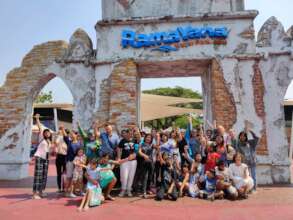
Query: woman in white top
[61, 150]
[41, 162]
[240, 176]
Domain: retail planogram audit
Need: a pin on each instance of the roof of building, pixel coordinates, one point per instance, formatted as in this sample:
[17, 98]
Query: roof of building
[288, 102]
[152, 106]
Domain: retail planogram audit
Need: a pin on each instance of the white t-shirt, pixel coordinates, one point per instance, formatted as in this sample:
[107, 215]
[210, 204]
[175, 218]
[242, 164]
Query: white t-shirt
[224, 173]
[238, 171]
[61, 146]
[43, 149]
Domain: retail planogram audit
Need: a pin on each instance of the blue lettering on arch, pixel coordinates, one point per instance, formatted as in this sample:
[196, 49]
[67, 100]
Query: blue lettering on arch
[131, 39]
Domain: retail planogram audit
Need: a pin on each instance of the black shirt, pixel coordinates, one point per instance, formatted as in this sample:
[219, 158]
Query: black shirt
[127, 147]
[181, 144]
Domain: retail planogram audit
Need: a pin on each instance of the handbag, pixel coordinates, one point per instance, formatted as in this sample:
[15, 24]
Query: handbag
[96, 198]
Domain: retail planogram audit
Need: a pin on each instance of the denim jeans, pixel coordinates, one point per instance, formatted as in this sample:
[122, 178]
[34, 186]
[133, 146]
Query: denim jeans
[252, 170]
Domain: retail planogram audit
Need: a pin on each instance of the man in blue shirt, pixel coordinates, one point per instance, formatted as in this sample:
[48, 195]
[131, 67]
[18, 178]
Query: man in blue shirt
[110, 141]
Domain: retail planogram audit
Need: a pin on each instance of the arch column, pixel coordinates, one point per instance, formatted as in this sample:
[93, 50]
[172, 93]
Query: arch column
[16, 97]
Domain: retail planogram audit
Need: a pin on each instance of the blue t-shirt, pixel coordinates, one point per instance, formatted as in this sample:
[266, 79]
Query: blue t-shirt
[109, 144]
[210, 184]
[71, 149]
[166, 147]
[94, 174]
[194, 146]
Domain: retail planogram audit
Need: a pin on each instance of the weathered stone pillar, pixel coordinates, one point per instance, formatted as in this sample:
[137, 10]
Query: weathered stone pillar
[124, 94]
[16, 100]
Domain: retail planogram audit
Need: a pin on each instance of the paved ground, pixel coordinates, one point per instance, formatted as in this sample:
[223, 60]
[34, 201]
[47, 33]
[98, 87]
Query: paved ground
[15, 203]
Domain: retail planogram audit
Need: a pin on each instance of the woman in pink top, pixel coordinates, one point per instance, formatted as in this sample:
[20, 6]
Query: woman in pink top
[41, 162]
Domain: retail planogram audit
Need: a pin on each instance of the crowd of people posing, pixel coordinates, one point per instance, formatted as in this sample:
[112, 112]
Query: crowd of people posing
[211, 164]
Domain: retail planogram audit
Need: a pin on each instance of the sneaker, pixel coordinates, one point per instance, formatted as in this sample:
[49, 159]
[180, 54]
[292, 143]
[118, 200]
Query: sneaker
[200, 195]
[144, 196]
[72, 195]
[129, 194]
[245, 196]
[36, 197]
[122, 193]
[43, 195]
[211, 197]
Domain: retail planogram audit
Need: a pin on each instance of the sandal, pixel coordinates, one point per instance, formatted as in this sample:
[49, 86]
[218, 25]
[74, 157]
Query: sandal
[109, 198]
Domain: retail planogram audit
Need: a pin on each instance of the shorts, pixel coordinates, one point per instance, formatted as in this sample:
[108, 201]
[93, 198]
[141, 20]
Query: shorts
[69, 169]
[77, 175]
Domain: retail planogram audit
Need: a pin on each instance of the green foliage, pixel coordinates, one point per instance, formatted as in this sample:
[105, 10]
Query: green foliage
[44, 97]
[178, 91]
[180, 121]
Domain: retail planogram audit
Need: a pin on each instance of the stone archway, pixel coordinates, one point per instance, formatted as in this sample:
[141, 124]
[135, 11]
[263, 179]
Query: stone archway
[22, 86]
[20, 89]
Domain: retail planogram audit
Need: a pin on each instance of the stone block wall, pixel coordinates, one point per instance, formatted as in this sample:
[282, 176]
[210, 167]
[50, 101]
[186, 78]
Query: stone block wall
[222, 102]
[124, 94]
[16, 97]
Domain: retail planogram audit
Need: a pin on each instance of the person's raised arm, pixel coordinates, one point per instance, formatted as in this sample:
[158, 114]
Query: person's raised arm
[81, 131]
[187, 157]
[39, 125]
[97, 126]
[252, 138]
[116, 128]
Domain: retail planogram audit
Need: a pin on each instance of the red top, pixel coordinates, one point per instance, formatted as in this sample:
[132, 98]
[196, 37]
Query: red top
[212, 161]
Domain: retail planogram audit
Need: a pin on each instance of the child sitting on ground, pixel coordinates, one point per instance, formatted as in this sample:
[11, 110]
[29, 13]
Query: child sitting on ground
[223, 181]
[79, 163]
[169, 175]
[183, 180]
[193, 189]
[209, 182]
[93, 196]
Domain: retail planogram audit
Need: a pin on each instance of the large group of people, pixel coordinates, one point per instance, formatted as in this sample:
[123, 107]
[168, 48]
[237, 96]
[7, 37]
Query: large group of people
[207, 164]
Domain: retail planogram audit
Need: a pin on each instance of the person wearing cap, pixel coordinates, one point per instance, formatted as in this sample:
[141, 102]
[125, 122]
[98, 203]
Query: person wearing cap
[91, 142]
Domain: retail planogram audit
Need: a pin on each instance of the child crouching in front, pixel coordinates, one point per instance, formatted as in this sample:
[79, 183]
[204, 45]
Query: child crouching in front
[93, 196]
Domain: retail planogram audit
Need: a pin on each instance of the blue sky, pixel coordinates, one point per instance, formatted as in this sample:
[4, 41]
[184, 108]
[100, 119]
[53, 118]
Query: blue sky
[27, 23]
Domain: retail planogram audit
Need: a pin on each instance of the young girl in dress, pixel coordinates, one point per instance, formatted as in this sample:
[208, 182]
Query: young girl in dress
[193, 189]
[79, 163]
[93, 196]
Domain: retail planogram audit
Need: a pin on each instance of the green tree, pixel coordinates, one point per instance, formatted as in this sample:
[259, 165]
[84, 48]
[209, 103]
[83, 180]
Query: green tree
[44, 97]
[178, 91]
